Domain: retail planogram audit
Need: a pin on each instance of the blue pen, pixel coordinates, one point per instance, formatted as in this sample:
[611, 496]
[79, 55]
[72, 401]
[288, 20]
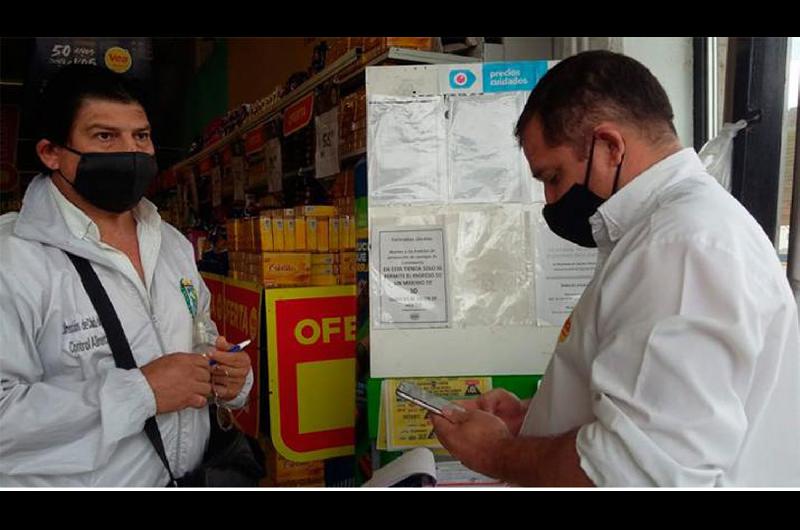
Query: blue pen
[236, 347]
[239, 347]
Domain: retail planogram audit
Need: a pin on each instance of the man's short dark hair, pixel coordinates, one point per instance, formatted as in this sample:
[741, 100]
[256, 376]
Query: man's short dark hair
[583, 90]
[70, 87]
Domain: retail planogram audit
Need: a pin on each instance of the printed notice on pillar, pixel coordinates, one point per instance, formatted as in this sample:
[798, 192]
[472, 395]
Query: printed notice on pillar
[563, 271]
[413, 288]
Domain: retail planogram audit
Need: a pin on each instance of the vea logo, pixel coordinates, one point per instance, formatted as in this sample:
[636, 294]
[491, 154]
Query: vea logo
[506, 77]
[462, 78]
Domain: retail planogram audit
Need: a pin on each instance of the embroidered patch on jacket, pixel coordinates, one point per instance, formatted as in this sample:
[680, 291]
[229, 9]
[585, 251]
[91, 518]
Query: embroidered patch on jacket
[190, 295]
[565, 329]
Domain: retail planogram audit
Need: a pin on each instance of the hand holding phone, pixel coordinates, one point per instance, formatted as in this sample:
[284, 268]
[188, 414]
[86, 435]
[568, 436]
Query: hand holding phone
[427, 400]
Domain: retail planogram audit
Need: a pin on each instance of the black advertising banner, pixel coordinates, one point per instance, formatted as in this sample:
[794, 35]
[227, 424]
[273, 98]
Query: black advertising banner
[131, 57]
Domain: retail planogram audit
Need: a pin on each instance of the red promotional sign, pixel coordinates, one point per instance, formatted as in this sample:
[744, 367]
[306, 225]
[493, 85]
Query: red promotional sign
[298, 115]
[206, 165]
[168, 179]
[227, 154]
[243, 322]
[216, 286]
[254, 140]
[311, 352]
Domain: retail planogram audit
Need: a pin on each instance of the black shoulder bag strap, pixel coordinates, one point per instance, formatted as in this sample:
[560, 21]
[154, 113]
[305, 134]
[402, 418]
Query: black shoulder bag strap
[120, 348]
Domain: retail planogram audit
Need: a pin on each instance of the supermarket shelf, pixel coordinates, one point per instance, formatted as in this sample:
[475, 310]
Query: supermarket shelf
[353, 154]
[342, 66]
[298, 172]
[257, 119]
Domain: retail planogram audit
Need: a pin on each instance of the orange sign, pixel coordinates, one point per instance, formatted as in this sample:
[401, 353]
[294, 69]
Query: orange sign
[298, 115]
[242, 322]
[311, 353]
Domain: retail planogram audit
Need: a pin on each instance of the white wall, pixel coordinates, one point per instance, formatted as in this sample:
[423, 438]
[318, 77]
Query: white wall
[527, 48]
[670, 59]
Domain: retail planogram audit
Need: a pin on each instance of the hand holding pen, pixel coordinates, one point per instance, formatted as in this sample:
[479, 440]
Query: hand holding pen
[230, 365]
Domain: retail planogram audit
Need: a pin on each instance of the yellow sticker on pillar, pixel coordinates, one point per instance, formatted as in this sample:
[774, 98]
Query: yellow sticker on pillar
[242, 322]
[312, 372]
[406, 424]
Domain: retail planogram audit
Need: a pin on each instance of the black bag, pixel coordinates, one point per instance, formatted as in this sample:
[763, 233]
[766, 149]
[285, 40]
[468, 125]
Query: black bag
[232, 459]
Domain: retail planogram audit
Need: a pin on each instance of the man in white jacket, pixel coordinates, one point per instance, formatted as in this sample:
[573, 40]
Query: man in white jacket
[680, 364]
[68, 415]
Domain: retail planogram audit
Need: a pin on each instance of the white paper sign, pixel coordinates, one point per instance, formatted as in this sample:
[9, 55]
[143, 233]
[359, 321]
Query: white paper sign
[272, 151]
[327, 151]
[563, 271]
[413, 290]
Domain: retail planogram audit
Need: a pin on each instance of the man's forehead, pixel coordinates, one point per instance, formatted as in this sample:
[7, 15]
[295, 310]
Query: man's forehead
[119, 114]
[533, 144]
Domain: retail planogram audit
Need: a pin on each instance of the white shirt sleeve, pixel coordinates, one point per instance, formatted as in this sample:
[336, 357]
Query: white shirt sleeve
[678, 335]
[240, 400]
[47, 428]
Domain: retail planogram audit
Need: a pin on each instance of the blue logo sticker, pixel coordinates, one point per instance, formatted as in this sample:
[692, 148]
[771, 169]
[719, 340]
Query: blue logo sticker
[462, 78]
[507, 77]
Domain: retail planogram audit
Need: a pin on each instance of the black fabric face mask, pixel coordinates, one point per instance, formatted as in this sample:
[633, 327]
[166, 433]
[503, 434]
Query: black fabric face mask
[568, 217]
[114, 182]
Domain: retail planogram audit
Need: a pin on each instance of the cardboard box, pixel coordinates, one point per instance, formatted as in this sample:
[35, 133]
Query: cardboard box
[383, 43]
[344, 232]
[311, 233]
[324, 259]
[246, 234]
[323, 234]
[333, 238]
[283, 472]
[285, 269]
[316, 211]
[265, 232]
[336, 49]
[300, 233]
[289, 235]
[278, 232]
[347, 268]
[324, 280]
[324, 270]
[351, 240]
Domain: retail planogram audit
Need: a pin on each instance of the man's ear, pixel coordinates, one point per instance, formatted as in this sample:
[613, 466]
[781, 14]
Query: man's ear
[610, 136]
[48, 154]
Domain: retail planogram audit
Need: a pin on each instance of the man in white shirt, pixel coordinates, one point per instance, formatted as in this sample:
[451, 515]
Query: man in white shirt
[680, 364]
[68, 415]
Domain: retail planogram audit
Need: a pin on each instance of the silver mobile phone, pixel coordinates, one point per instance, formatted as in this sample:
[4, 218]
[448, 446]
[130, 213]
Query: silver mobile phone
[422, 398]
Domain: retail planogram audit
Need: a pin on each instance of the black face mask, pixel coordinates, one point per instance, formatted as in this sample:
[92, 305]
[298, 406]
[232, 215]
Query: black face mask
[569, 216]
[114, 182]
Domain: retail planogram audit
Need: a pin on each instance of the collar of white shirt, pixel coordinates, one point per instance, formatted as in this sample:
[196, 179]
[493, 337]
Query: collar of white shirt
[82, 226]
[635, 201]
